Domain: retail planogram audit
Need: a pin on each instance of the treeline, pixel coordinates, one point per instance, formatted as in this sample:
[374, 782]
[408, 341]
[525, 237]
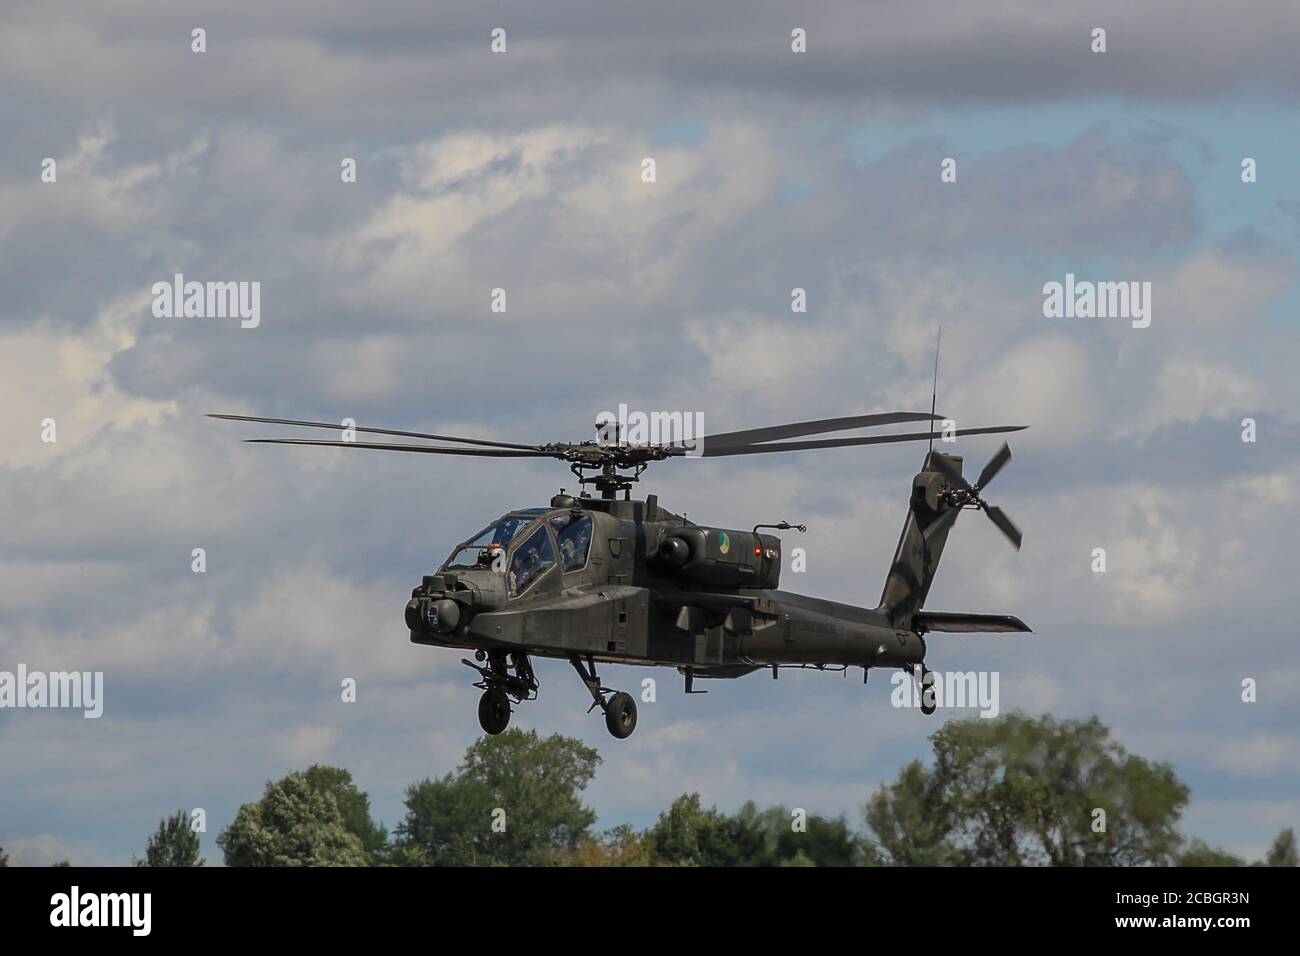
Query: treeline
[1015, 791]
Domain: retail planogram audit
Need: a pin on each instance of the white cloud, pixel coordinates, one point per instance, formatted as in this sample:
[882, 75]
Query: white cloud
[559, 217]
[59, 373]
[1259, 756]
[1219, 289]
[309, 619]
[1046, 382]
[46, 849]
[1191, 390]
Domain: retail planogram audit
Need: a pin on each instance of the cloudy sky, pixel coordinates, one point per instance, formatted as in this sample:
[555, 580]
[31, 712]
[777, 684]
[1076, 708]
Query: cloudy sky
[522, 171]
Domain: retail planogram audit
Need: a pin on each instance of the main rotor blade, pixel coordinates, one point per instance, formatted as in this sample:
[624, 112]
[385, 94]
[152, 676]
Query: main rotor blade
[751, 436]
[713, 451]
[994, 466]
[426, 449]
[374, 431]
[999, 518]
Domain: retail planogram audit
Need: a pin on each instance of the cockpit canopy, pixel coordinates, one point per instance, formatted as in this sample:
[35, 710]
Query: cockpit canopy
[534, 541]
[573, 535]
[480, 550]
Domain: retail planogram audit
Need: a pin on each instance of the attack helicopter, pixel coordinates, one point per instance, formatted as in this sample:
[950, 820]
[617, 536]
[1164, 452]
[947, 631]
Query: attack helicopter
[599, 578]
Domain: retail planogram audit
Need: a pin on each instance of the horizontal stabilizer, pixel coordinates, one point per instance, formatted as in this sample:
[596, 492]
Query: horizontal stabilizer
[956, 623]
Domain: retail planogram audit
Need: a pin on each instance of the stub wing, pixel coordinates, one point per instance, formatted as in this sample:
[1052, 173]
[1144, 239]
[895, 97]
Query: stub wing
[958, 623]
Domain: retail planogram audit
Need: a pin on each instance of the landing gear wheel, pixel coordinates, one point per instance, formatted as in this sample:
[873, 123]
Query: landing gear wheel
[493, 711]
[620, 715]
[928, 703]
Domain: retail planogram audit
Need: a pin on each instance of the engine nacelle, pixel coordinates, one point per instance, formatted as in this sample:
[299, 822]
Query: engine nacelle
[720, 557]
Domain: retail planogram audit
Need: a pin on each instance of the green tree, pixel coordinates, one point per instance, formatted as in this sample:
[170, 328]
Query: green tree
[294, 824]
[4, 857]
[1283, 850]
[912, 819]
[620, 846]
[354, 805]
[688, 835]
[1200, 853]
[516, 799]
[799, 859]
[822, 841]
[173, 844]
[1020, 790]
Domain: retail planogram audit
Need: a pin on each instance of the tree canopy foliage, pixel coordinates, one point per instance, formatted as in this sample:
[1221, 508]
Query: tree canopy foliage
[1012, 791]
[1024, 791]
[689, 835]
[174, 843]
[516, 799]
[299, 822]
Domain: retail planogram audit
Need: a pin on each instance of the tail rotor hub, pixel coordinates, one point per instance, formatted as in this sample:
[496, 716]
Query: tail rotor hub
[959, 493]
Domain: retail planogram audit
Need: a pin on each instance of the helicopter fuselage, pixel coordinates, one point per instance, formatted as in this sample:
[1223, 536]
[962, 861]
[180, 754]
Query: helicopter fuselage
[652, 589]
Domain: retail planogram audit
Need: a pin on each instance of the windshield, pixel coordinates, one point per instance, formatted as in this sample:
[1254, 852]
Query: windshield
[573, 532]
[532, 559]
[480, 550]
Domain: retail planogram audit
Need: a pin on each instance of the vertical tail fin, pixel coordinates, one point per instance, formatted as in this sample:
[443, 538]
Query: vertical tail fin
[925, 531]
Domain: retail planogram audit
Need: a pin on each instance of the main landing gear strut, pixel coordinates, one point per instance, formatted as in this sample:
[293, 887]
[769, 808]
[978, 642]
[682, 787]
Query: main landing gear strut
[619, 707]
[509, 678]
[500, 687]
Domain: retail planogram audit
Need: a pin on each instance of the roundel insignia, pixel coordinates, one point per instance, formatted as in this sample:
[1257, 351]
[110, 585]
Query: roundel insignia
[724, 543]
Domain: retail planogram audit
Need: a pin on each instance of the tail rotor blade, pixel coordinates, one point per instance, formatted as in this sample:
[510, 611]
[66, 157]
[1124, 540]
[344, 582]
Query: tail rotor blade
[999, 518]
[994, 466]
[940, 524]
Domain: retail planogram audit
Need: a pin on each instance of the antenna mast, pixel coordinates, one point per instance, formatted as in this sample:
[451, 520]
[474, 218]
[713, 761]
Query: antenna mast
[934, 393]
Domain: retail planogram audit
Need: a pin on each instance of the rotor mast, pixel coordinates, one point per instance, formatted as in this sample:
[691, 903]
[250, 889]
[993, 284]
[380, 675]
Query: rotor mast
[610, 481]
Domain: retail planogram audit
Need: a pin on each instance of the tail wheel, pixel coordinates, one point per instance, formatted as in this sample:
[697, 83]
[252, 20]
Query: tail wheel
[928, 703]
[620, 715]
[493, 711]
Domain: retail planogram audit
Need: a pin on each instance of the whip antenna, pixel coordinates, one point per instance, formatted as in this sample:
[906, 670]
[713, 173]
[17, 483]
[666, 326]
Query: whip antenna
[934, 392]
